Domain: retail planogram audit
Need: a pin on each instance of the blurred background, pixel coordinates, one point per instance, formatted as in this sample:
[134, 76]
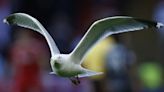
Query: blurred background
[131, 62]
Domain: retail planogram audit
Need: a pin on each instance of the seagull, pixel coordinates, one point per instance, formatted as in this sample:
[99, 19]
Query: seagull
[69, 65]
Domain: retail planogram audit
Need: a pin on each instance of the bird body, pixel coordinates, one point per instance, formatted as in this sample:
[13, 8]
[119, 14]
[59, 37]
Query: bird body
[69, 65]
[62, 65]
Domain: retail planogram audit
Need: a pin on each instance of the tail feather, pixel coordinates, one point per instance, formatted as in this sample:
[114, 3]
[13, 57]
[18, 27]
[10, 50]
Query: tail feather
[88, 73]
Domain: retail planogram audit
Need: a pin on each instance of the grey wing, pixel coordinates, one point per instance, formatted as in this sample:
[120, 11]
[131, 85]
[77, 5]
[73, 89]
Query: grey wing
[26, 21]
[106, 27]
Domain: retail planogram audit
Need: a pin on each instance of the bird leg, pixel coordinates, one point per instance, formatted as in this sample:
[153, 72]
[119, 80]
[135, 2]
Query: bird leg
[75, 80]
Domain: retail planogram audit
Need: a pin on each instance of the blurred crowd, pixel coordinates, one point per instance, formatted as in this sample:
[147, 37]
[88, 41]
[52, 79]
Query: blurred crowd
[24, 54]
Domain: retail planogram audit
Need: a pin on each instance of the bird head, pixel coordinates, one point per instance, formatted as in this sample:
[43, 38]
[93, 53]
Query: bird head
[56, 61]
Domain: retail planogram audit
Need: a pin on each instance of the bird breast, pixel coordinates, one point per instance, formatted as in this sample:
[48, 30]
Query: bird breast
[69, 70]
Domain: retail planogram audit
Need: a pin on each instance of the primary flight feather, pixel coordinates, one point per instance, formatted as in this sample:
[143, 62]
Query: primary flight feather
[69, 65]
[27, 21]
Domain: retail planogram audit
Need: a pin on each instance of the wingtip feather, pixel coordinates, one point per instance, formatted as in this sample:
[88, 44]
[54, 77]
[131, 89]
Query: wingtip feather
[159, 25]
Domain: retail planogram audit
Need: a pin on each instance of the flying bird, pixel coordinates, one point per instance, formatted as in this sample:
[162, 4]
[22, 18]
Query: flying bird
[69, 65]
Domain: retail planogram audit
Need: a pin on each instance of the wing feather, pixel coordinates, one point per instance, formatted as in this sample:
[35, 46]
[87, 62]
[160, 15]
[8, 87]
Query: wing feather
[106, 27]
[26, 21]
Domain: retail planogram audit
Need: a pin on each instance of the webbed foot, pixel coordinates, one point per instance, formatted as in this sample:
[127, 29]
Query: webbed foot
[75, 80]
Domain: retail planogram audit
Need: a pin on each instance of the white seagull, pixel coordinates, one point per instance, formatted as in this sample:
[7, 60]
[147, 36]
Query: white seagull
[69, 65]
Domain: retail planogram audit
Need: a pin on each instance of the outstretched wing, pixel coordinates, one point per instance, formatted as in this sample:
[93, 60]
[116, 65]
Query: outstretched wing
[26, 21]
[106, 27]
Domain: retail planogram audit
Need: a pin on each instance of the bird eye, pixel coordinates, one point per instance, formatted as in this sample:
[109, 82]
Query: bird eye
[57, 65]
